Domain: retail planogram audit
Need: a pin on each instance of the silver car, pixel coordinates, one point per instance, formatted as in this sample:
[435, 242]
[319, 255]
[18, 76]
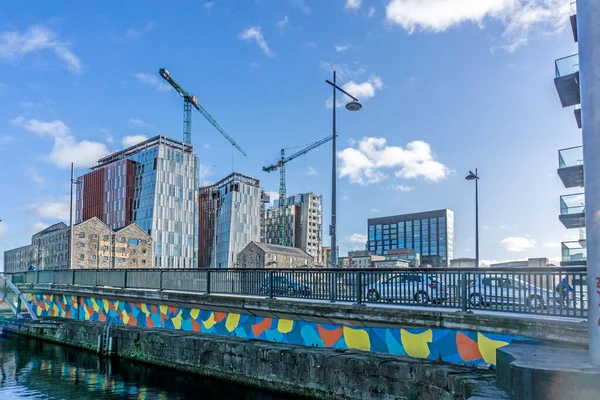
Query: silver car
[502, 290]
[420, 288]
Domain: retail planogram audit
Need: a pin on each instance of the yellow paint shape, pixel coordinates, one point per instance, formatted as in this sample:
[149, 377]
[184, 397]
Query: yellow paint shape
[125, 317]
[95, 305]
[105, 304]
[232, 322]
[163, 309]
[145, 309]
[416, 344]
[177, 320]
[56, 311]
[285, 325]
[487, 348]
[357, 339]
[87, 314]
[210, 322]
[195, 313]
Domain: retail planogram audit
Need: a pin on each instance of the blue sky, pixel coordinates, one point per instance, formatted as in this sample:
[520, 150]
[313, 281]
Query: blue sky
[447, 86]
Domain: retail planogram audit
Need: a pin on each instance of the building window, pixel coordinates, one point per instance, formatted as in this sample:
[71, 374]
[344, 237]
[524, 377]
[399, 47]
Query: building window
[105, 237]
[105, 258]
[133, 260]
[81, 257]
[133, 242]
[143, 261]
[123, 239]
[94, 258]
[82, 235]
[133, 251]
[94, 236]
[122, 260]
[94, 246]
[143, 242]
[105, 248]
[82, 245]
[143, 251]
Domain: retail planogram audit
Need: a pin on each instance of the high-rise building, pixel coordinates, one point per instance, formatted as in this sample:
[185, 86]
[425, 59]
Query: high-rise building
[304, 224]
[570, 160]
[153, 184]
[229, 219]
[430, 234]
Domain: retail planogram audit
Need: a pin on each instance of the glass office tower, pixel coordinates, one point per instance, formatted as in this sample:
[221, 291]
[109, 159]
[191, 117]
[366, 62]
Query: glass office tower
[430, 234]
[153, 184]
[230, 214]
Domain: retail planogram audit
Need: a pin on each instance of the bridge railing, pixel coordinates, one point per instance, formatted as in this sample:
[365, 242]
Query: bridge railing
[546, 291]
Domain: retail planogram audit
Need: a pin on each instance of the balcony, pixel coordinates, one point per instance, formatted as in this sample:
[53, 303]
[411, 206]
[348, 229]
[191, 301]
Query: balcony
[574, 20]
[577, 113]
[582, 236]
[573, 253]
[570, 166]
[567, 80]
[572, 211]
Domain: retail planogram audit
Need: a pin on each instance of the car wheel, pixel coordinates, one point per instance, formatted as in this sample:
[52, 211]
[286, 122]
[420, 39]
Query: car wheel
[373, 295]
[421, 298]
[476, 300]
[535, 303]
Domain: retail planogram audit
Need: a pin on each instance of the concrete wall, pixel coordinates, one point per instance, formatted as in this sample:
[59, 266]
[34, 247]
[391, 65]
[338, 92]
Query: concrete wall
[319, 373]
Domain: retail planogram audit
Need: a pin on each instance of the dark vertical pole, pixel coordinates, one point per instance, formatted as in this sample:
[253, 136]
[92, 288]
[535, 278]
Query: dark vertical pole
[476, 219]
[332, 228]
[71, 217]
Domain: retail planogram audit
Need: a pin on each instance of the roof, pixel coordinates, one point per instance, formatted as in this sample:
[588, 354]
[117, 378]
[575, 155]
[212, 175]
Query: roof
[52, 228]
[278, 249]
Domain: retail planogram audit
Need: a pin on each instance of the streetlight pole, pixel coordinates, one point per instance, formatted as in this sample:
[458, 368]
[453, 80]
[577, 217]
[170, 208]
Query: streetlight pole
[354, 105]
[474, 176]
[73, 182]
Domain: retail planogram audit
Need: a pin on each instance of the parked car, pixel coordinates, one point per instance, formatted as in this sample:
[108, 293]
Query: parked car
[502, 290]
[420, 288]
[287, 287]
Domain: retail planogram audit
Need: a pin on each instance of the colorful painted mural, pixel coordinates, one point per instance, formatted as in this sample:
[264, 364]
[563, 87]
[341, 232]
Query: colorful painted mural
[456, 346]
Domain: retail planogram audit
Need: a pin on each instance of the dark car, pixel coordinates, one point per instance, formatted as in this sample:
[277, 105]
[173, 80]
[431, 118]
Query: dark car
[286, 287]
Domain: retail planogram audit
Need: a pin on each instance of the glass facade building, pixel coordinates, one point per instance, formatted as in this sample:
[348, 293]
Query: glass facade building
[153, 184]
[230, 216]
[430, 234]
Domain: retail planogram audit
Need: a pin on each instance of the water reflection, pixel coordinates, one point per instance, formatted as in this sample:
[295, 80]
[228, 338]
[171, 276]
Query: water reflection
[31, 369]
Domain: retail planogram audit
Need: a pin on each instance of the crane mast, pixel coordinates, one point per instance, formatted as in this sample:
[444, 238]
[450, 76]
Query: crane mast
[190, 101]
[282, 189]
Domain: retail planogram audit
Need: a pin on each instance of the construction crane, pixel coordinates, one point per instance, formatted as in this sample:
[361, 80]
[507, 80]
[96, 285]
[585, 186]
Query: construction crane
[188, 102]
[281, 166]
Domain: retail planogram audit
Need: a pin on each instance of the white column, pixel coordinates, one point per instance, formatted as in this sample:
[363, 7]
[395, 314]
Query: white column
[588, 29]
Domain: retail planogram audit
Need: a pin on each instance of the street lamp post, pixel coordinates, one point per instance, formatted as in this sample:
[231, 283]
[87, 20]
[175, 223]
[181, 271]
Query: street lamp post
[475, 177]
[354, 105]
[73, 182]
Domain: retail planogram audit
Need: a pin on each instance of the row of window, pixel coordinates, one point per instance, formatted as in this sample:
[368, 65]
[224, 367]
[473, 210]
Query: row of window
[105, 258]
[132, 241]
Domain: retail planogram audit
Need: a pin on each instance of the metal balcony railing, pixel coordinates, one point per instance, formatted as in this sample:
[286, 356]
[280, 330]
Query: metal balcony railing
[574, 251]
[567, 65]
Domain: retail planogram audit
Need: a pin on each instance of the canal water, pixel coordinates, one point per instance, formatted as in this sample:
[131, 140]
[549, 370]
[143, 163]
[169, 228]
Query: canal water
[32, 369]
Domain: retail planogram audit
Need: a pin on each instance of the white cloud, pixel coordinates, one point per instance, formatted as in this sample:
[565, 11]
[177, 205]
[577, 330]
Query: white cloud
[208, 5]
[16, 45]
[34, 175]
[353, 4]
[66, 148]
[37, 227]
[357, 238]
[135, 34]
[255, 65]
[254, 34]
[138, 122]
[521, 18]
[517, 244]
[52, 209]
[283, 23]
[274, 196]
[152, 80]
[374, 210]
[402, 188]
[132, 140]
[311, 171]
[364, 165]
[206, 146]
[363, 91]
[341, 49]
[301, 5]
[371, 11]
[551, 245]
[343, 71]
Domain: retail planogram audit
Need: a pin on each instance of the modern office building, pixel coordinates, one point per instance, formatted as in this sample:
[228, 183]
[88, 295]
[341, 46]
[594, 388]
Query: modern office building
[431, 234]
[153, 184]
[229, 219]
[266, 255]
[304, 224]
[570, 160]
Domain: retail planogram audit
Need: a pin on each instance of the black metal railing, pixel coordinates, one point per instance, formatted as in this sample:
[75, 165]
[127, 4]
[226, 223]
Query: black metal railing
[547, 291]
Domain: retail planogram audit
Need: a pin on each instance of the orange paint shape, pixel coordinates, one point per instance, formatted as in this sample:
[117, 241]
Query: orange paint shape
[91, 310]
[101, 317]
[330, 337]
[149, 322]
[220, 316]
[111, 306]
[467, 348]
[195, 326]
[153, 309]
[68, 314]
[262, 326]
[132, 321]
[172, 310]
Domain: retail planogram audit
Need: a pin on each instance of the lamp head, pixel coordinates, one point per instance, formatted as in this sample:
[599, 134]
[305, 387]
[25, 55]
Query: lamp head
[471, 176]
[353, 106]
